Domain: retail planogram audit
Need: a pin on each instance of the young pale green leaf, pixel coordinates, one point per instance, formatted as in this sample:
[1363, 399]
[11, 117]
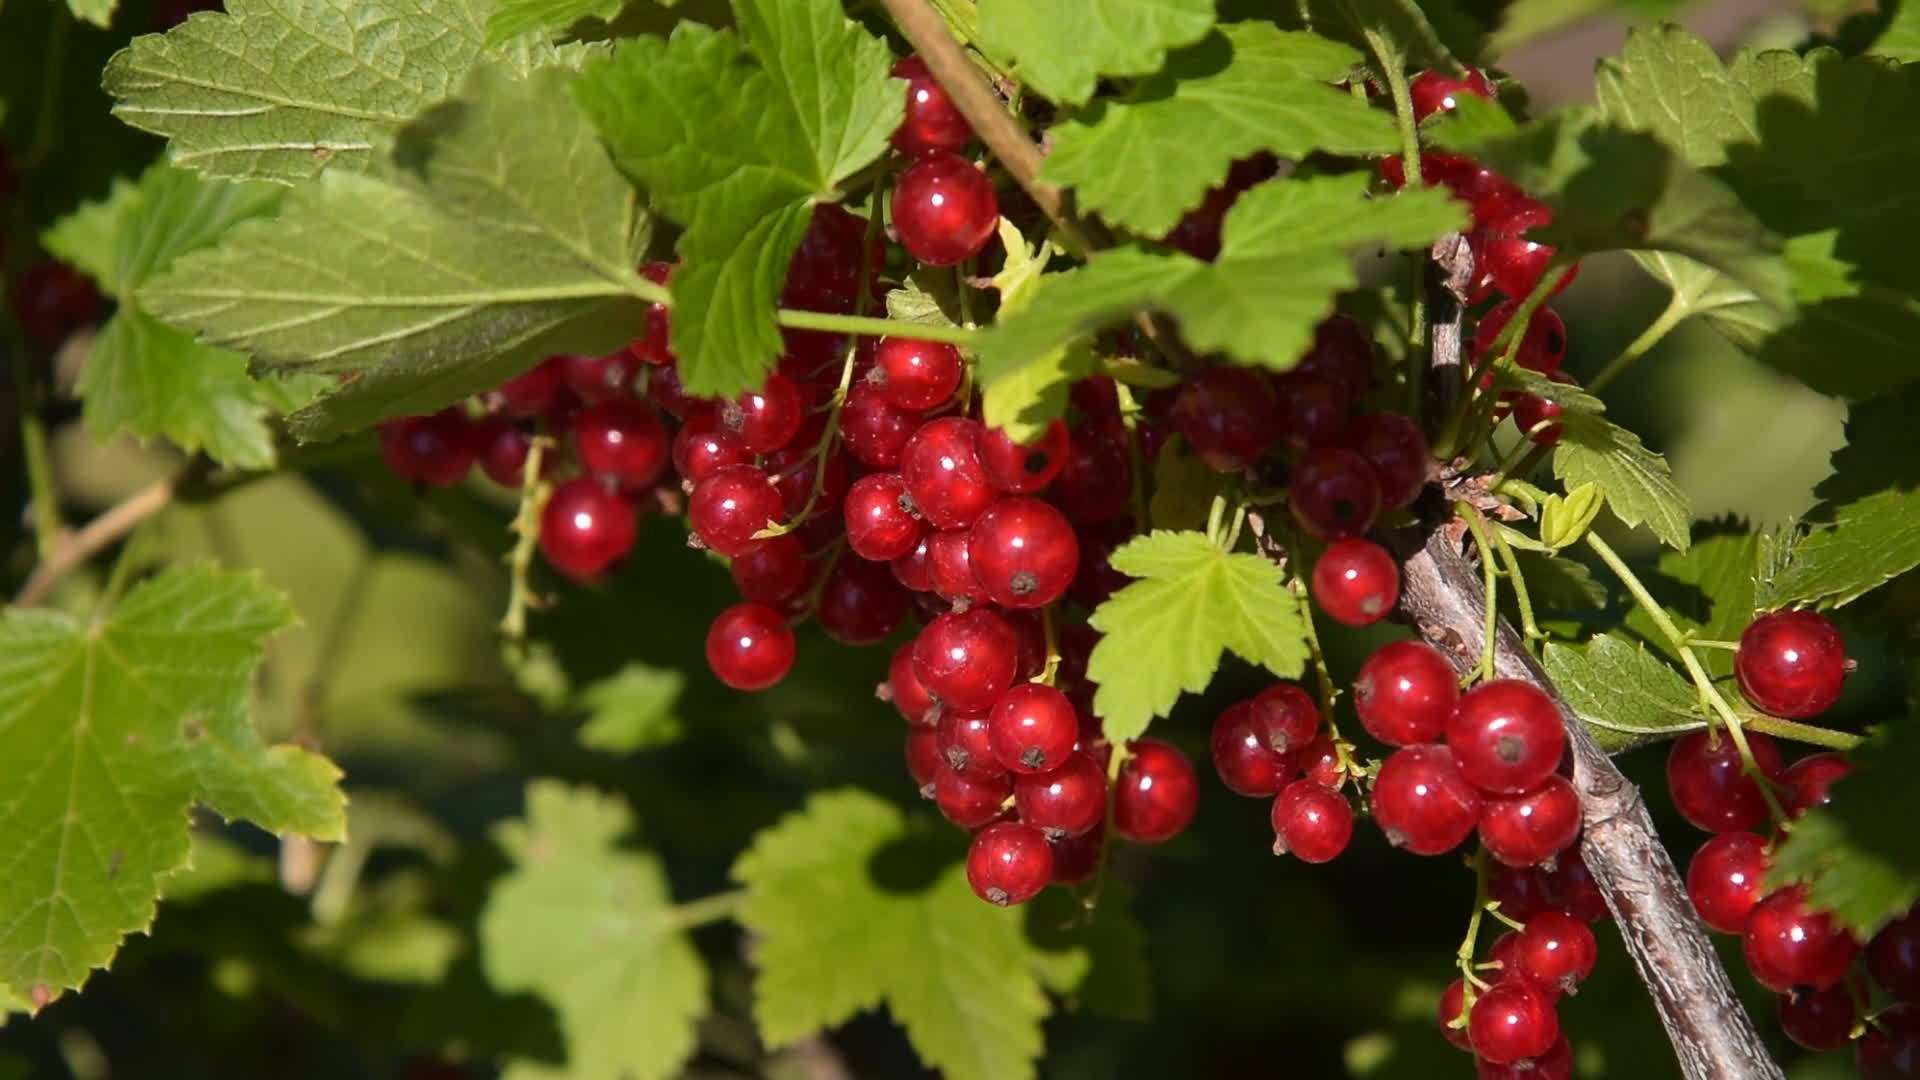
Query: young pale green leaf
[1025, 399]
[1707, 589]
[1625, 695]
[513, 234]
[854, 909]
[735, 136]
[588, 927]
[1166, 632]
[113, 729]
[1698, 289]
[1145, 159]
[1061, 50]
[1870, 542]
[1857, 853]
[632, 709]
[1564, 520]
[1636, 481]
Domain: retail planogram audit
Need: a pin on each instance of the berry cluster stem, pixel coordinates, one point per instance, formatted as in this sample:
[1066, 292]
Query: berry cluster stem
[707, 909]
[1490, 579]
[534, 490]
[1677, 310]
[1471, 942]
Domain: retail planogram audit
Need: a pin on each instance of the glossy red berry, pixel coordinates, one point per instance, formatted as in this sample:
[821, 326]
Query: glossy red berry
[1789, 944]
[923, 759]
[941, 465]
[1405, 693]
[765, 419]
[860, 602]
[796, 470]
[1421, 801]
[622, 439]
[1893, 957]
[773, 572]
[1723, 880]
[1229, 416]
[1791, 663]
[967, 658]
[1709, 786]
[585, 528]
[1069, 801]
[903, 689]
[915, 569]
[1023, 552]
[1076, 859]
[655, 346]
[1096, 482]
[1285, 717]
[1320, 762]
[875, 430]
[1810, 780]
[504, 448]
[1434, 92]
[600, 378]
[1023, 468]
[951, 568]
[1512, 265]
[435, 450]
[932, 123]
[1311, 822]
[1333, 494]
[1521, 890]
[1453, 1002]
[1543, 348]
[1246, 763]
[52, 300]
[1009, 863]
[1556, 951]
[1156, 794]
[916, 375]
[966, 741]
[1506, 736]
[731, 504]
[1342, 353]
[824, 273]
[970, 799]
[1555, 1064]
[944, 209]
[1521, 830]
[1033, 728]
[1356, 582]
[1511, 1021]
[1818, 1019]
[882, 521]
[1397, 450]
[1537, 418]
[1890, 1048]
[750, 647]
[700, 447]
[535, 390]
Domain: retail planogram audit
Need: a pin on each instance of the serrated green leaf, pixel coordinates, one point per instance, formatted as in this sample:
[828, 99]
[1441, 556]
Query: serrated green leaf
[854, 909]
[1183, 488]
[589, 928]
[1061, 50]
[1707, 589]
[113, 729]
[513, 18]
[84, 238]
[1857, 852]
[1166, 632]
[1879, 451]
[1636, 481]
[1285, 254]
[1870, 542]
[1025, 399]
[1625, 695]
[912, 304]
[1670, 82]
[1529, 20]
[736, 137]
[632, 709]
[513, 233]
[1145, 159]
[1560, 585]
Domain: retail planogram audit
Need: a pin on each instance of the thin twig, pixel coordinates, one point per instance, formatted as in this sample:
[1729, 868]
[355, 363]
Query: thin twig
[78, 547]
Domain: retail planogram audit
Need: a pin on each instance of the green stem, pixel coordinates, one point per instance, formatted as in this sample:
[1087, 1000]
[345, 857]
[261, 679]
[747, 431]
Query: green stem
[121, 575]
[707, 909]
[1811, 734]
[47, 525]
[1471, 942]
[1136, 461]
[1677, 310]
[1396, 77]
[1323, 677]
[1491, 580]
[1505, 347]
[1709, 643]
[1521, 596]
[526, 526]
[872, 327]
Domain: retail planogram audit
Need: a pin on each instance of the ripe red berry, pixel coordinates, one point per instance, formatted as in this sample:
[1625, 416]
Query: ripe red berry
[916, 375]
[1818, 1019]
[1543, 348]
[535, 390]
[1022, 469]
[1333, 493]
[700, 447]
[435, 450]
[1891, 1046]
[970, 799]
[1788, 944]
[923, 759]
[1723, 880]
[951, 566]
[1521, 890]
[1397, 450]
[1156, 794]
[795, 469]
[1791, 663]
[750, 647]
[1023, 552]
[655, 346]
[882, 521]
[1708, 786]
[1033, 728]
[941, 465]
[1810, 780]
[52, 300]
[1246, 763]
[967, 658]
[504, 447]
[875, 430]
[1310, 821]
[1285, 717]
[584, 528]
[915, 569]
[1314, 411]
[1506, 736]
[1453, 1002]
[1512, 1020]
[1069, 801]
[1229, 416]
[1556, 951]
[1405, 693]
[1573, 890]
[966, 742]
[600, 378]
[860, 602]
[1077, 858]
[1555, 1064]
[1320, 762]
[1535, 416]
[944, 209]
[1434, 92]
[1009, 863]
[765, 419]
[1096, 482]
[1356, 582]
[1342, 353]
[904, 690]
[1512, 265]
[773, 572]
[622, 439]
[1421, 801]
[730, 504]
[932, 124]
[1521, 830]
[1893, 957]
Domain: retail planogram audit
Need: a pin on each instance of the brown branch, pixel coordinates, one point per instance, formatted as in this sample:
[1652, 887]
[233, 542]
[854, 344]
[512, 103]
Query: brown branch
[76, 548]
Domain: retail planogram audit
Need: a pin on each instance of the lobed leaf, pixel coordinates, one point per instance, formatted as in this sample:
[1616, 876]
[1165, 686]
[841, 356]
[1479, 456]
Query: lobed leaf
[1625, 695]
[633, 709]
[1061, 50]
[1870, 542]
[1637, 482]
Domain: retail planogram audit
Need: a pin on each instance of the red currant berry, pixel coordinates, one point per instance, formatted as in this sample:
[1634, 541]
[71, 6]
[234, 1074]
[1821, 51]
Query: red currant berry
[600, 378]
[1421, 801]
[966, 741]
[1513, 265]
[1891, 1045]
[750, 647]
[1506, 736]
[1512, 1020]
[916, 375]
[1096, 482]
[1893, 957]
[1555, 1064]
[700, 447]
[1453, 1002]
[923, 759]
[52, 300]
[1246, 764]
[1556, 951]
[765, 419]
[1543, 348]
[1791, 663]
[967, 658]
[1333, 493]
[1521, 890]
[1405, 693]
[731, 504]
[970, 799]
[1397, 450]
[1434, 92]
[1573, 889]
[875, 430]
[655, 347]
[915, 569]
[1536, 417]
[1810, 781]
[584, 528]
[941, 465]
[1076, 859]
[1313, 410]
[1022, 469]
[1356, 582]
[1522, 830]
[435, 450]
[1788, 944]
[1320, 762]
[1033, 728]
[1023, 552]
[1009, 863]
[932, 124]
[860, 602]
[1342, 353]
[1198, 232]
[504, 448]
[665, 389]
[772, 573]
[824, 273]
[1069, 801]
[1229, 416]
[1311, 822]
[535, 390]
[944, 209]
[1156, 794]
[952, 568]
[1723, 880]
[1285, 717]
[1708, 785]
[622, 439]
[882, 521]
[1818, 1019]
[795, 470]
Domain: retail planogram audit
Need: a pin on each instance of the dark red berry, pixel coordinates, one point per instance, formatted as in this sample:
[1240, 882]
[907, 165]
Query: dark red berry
[966, 741]
[504, 448]
[1398, 452]
[1076, 859]
[1096, 482]
[1333, 493]
[622, 439]
[1023, 552]
[1405, 693]
[951, 563]
[1156, 794]
[860, 602]
[1198, 232]
[52, 300]
[1723, 880]
[970, 799]
[1342, 353]
[1791, 663]
[701, 446]
[795, 471]
[535, 390]
[824, 273]
[1890, 1047]
[941, 465]
[1069, 801]
[655, 347]
[1229, 416]
[1810, 780]
[916, 375]
[1285, 717]
[1555, 1064]
[967, 658]
[1009, 863]
[923, 759]
[903, 689]
[1708, 785]
[1573, 890]
[1788, 944]
[1818, 1019]
[1320, 762]
[1536, 417]
[435, 450]
[773, 572]
[1521, 890]
[1543, 348]
[1246, 763]
[1356, 582]
[1434, 92]
[1314, 411]
[730, 505]
[1022, 469]
[1893, 957]
[1512, 1020]
[1421, 801]
[1033, 728]
[1512, 265]
[585, 528]
[1310, 821]
[750, 647]
[1506, 736]
[944, 209]
[915, 569]
[882, 521]
[1521, 830]
[874, 429]
[600, 378]
[1556, 951]
[765, 419]
[1453, 1002]
[932, 124]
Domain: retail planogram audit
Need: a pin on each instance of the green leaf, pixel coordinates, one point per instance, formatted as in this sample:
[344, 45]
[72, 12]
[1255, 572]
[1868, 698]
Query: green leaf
[1529, 20]
[1670, 82]
[1564, 520]
[1698, 289]
[1879, 450]
[1857, 852]
[113, 729]
[512, 18]
[1870, 542]
[1061, 50]
[1707, 589]
[854, 909]
[589, 928]
[1024, 399]
[1636, 481]
[1400, 27]
[1166, 632]
[97, 12]
[1901, 39]
[735, 137]
[516, 234]
[85, 237]
[279, 92]
[1625, 695]
[1183, 488]
[633, 709]
[1144, 160]
[1284, 256]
